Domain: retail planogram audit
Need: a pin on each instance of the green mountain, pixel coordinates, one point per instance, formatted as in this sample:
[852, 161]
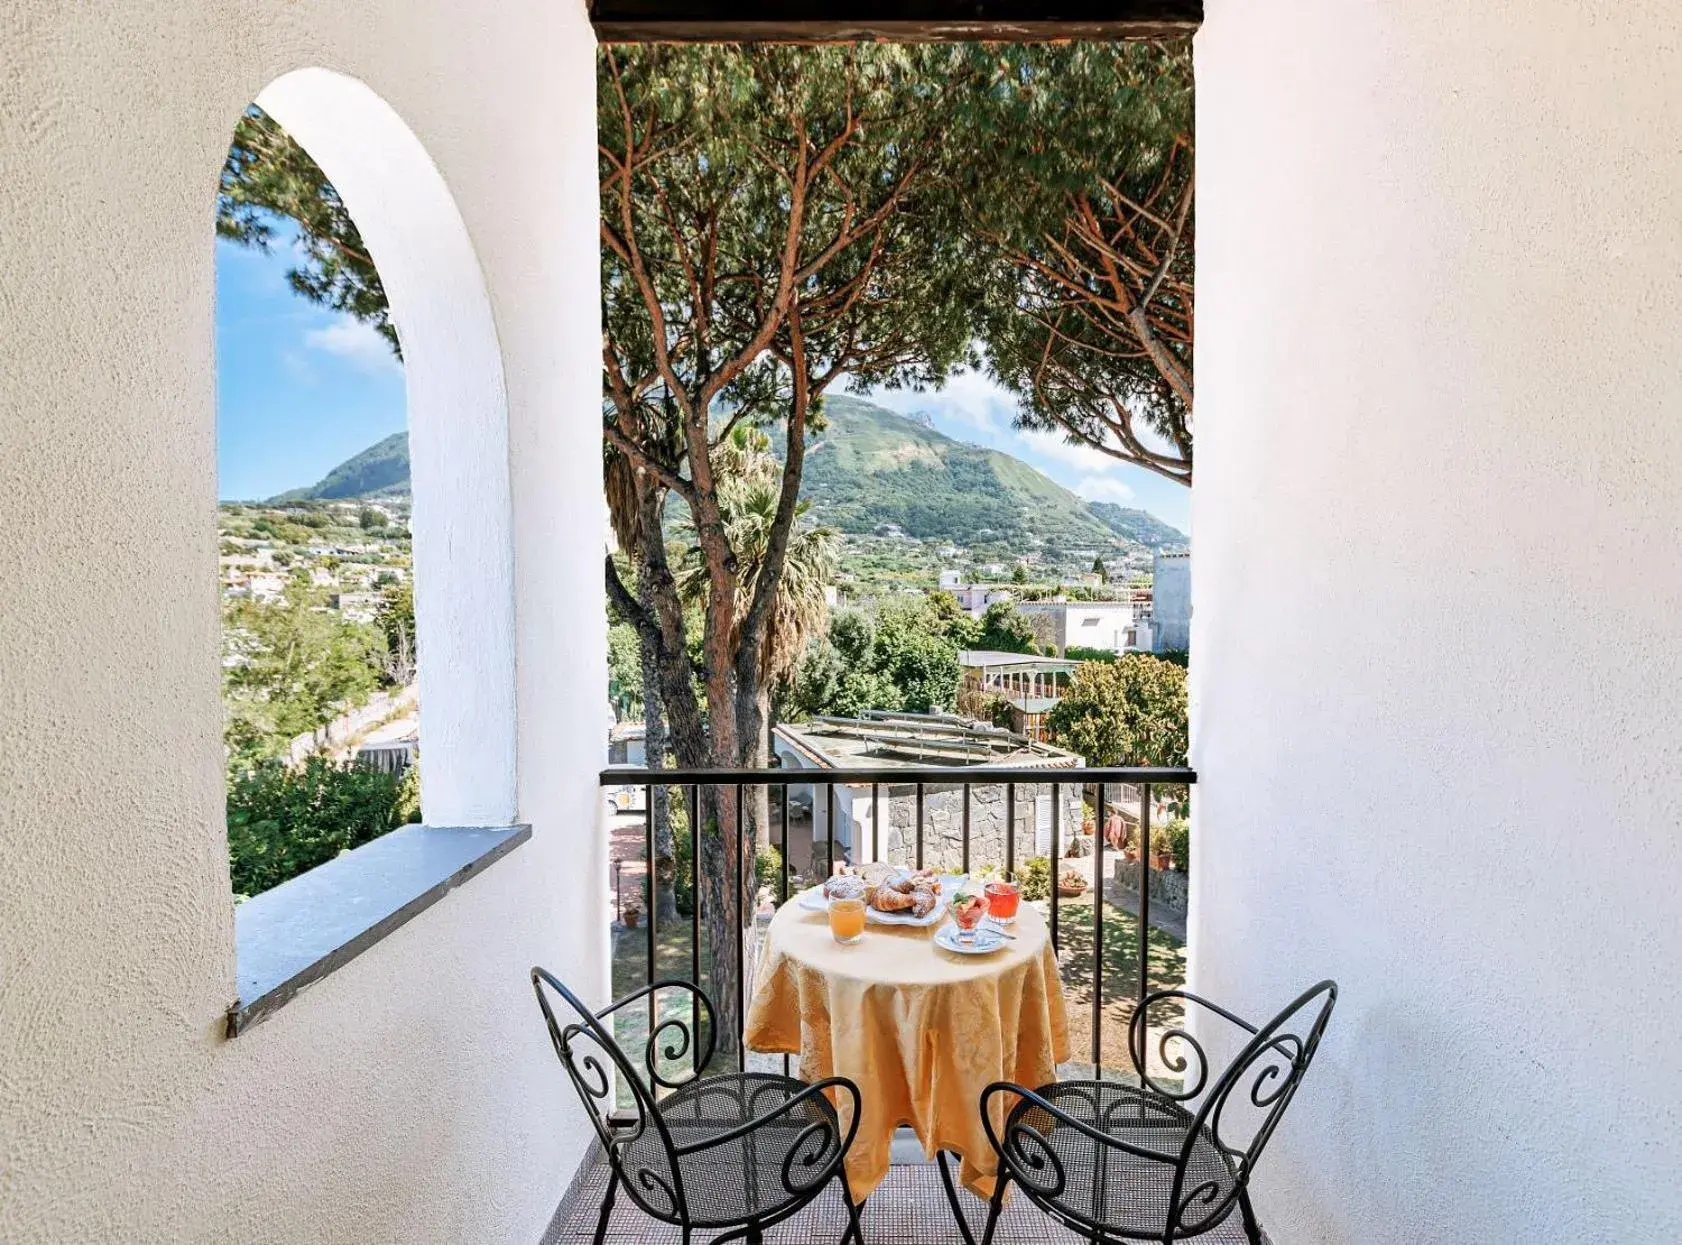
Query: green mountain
[1140, 526]
[871, 471]
[872, 468]
[381, 470]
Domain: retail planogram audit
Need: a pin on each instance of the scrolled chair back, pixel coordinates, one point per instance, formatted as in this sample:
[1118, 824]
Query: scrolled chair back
[593, 1059]
[1240, 1109]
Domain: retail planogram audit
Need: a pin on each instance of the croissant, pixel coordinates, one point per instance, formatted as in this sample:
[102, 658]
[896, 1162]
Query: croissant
[887, 899]
[922, 902]
[922, 880]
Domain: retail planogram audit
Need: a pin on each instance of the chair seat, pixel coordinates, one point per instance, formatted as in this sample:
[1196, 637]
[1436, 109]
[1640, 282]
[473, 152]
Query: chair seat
[750, 1177]
[1122, 1193]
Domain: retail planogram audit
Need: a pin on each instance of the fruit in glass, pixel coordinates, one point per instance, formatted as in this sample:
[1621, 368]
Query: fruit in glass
[846, 920]
[968, 907]
[1003, 898]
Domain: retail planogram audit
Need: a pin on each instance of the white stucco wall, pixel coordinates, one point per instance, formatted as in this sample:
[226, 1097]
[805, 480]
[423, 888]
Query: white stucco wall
[412, 1096]
[1439, 323]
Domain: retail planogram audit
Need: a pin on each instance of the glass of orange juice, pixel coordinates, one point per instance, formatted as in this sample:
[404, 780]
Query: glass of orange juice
[846, 920]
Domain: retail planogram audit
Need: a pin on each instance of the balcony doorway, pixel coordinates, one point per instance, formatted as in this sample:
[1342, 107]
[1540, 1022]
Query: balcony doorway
[861, 423]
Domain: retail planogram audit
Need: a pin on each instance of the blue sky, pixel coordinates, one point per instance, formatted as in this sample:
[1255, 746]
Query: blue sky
[300, 389]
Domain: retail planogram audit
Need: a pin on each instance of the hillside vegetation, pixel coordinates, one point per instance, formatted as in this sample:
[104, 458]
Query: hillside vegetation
[381, 470]
[889, 483]
[872, 468]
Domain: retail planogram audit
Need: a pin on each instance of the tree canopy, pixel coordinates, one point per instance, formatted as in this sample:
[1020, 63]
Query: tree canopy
[1085, 202]
[774, 220]
[267, 174]
[904, 657]
[1130, 711]
[290, 667]
[1004, 630]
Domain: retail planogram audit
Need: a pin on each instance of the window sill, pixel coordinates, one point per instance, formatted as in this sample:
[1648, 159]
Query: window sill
[294, 935]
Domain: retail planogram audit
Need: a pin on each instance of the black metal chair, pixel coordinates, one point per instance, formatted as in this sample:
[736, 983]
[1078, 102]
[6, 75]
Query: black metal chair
[732, 1153]
[1117, 1161]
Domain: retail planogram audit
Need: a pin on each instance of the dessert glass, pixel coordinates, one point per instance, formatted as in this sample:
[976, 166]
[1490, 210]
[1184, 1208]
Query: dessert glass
[968, 907]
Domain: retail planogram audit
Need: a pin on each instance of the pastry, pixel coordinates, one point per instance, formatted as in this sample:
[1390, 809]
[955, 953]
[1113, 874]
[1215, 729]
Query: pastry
[922, 879]
[888, 899]
[846, 886]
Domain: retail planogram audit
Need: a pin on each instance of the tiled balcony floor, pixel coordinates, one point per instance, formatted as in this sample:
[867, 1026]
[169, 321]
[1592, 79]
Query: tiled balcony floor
[909, 1208]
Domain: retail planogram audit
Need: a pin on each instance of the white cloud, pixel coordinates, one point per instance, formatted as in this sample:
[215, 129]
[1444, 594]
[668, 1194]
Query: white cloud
[298, 367]
[355, 341]
[1050, 446]
[967, 399]
[1104, 488]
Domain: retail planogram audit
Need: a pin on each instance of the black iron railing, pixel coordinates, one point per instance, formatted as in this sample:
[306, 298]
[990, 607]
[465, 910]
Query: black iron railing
[715, 799]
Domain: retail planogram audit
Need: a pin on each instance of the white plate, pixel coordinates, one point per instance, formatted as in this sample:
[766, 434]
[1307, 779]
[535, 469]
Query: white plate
[987, 940]
[813, 900]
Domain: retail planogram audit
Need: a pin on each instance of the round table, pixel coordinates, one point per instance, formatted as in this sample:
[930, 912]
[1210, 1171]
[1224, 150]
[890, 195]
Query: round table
[920, 1030]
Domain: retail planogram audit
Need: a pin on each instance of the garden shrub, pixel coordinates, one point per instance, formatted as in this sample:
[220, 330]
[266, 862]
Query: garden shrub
[1179, 843]
[283, 821]
[1035, 878]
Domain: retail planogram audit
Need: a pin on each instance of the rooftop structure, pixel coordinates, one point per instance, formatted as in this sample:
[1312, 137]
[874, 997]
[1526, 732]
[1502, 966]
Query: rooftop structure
[878, 739]
[994, 659]
[1171, 602]
[881, 818]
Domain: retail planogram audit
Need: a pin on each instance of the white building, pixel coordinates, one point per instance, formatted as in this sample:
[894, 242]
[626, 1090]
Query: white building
[1170, 602]
[975, 598]
[1082, 624]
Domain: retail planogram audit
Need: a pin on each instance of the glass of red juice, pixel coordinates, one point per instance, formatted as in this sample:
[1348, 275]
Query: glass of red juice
[1003, 897]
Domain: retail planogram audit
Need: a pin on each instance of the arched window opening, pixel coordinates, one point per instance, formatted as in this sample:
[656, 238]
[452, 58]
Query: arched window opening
[319, 649]
[367, 528]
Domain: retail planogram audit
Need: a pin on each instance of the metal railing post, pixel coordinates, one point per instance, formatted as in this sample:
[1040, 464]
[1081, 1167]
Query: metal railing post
[1056, 858]
[653, 898]
[1144, 893]
[1098, 942]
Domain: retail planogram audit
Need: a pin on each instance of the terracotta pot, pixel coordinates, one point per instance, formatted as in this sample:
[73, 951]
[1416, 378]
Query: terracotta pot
[632, 916]
[1131, 854]
[1161, 860]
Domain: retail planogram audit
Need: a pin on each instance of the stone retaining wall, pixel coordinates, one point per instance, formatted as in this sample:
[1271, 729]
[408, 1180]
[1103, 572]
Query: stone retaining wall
[943, 811]
[1169, 887]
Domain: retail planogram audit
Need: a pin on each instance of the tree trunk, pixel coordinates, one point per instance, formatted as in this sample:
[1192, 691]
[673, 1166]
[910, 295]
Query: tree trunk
[754, 740]
[664, 865]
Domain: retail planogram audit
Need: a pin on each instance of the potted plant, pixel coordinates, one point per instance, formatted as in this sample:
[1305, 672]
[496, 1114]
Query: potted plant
[632, 913]
[1070, 883]
[1162, 849]
[1130, 847]
[1179, 838]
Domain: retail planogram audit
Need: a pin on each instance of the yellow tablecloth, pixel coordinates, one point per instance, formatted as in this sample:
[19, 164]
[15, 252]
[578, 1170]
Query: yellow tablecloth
[919, 1030]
